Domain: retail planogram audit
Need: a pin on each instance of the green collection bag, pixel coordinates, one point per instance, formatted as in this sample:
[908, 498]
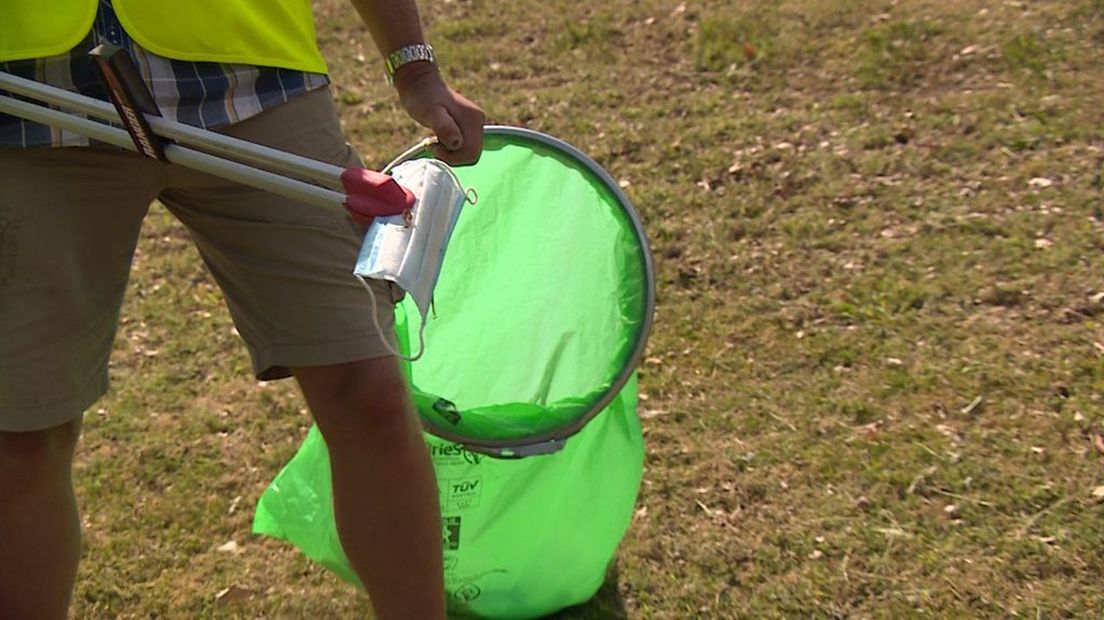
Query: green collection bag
[526, 390]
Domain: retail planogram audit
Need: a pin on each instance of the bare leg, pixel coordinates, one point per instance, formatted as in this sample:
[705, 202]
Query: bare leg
[39, 526]
[385, 491]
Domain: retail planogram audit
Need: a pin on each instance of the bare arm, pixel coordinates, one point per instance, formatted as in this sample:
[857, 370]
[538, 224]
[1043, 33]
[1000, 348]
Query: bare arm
[393, 23]
[457, 122]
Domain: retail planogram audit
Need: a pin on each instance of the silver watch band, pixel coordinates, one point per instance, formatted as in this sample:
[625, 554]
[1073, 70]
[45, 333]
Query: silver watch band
[406, 55]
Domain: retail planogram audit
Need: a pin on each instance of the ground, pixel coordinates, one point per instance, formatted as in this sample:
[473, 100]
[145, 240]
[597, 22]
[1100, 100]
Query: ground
[874, 388]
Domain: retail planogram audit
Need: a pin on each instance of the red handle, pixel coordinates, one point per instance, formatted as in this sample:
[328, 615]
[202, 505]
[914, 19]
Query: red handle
[370, 194]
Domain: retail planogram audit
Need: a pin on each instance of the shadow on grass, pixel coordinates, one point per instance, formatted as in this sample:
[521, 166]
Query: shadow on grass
[607, 604]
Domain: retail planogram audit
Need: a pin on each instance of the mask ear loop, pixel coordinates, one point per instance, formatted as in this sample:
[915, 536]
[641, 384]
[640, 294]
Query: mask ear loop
[421, 146]
[375, 322]
[410, 152]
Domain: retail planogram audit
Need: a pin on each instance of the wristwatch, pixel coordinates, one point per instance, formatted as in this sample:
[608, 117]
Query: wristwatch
[406, 55]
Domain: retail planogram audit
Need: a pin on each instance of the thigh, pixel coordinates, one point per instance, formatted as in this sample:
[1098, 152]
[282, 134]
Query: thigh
[69, 221]
[285, 267]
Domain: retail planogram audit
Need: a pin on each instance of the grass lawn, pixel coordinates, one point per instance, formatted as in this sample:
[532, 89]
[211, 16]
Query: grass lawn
[875, 388]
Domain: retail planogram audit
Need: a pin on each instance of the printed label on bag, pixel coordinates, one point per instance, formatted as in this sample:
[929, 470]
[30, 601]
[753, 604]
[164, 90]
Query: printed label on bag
[453, 454]
[447, 410]
[461, 493]
[466, 588]
[450, 533]
[467, 592]
[451, 562]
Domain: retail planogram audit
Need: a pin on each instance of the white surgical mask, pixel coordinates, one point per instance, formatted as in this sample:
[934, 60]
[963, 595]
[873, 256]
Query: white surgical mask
[409, 249]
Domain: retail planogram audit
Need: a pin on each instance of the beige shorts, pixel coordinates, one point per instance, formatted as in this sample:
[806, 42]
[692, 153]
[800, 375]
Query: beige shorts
[70, 220]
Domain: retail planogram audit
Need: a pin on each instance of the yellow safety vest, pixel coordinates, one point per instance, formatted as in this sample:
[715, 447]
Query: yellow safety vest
[270, 33]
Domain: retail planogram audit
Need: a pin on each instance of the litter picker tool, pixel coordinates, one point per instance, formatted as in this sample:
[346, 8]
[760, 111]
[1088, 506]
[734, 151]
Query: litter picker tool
[558, 290]
[364, 193]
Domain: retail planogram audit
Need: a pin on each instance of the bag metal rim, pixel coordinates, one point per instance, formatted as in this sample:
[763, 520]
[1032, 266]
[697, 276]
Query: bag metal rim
[553, 441]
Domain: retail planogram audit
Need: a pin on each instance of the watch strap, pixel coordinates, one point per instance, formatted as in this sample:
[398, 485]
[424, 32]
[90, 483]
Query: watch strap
[406, 55]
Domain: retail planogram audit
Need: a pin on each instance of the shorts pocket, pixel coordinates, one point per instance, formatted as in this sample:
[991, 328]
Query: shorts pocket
[9, 236]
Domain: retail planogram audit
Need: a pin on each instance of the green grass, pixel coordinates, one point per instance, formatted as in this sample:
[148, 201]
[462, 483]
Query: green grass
[725, 42]
[896, 54]
[876, 380]
[595, 36]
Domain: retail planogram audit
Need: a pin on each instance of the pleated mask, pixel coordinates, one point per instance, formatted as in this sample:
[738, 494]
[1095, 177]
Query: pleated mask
[409, 249]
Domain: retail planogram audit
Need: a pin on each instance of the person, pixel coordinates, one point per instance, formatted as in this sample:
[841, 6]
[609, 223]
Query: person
[70, 216]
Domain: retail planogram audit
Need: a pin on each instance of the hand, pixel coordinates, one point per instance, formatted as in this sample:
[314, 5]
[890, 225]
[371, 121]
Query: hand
[457, 122]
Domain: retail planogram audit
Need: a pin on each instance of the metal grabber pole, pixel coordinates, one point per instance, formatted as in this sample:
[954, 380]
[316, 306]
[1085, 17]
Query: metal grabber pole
[364, 193]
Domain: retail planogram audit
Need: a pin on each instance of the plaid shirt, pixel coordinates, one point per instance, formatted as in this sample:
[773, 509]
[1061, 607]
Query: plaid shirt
[203, 94]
